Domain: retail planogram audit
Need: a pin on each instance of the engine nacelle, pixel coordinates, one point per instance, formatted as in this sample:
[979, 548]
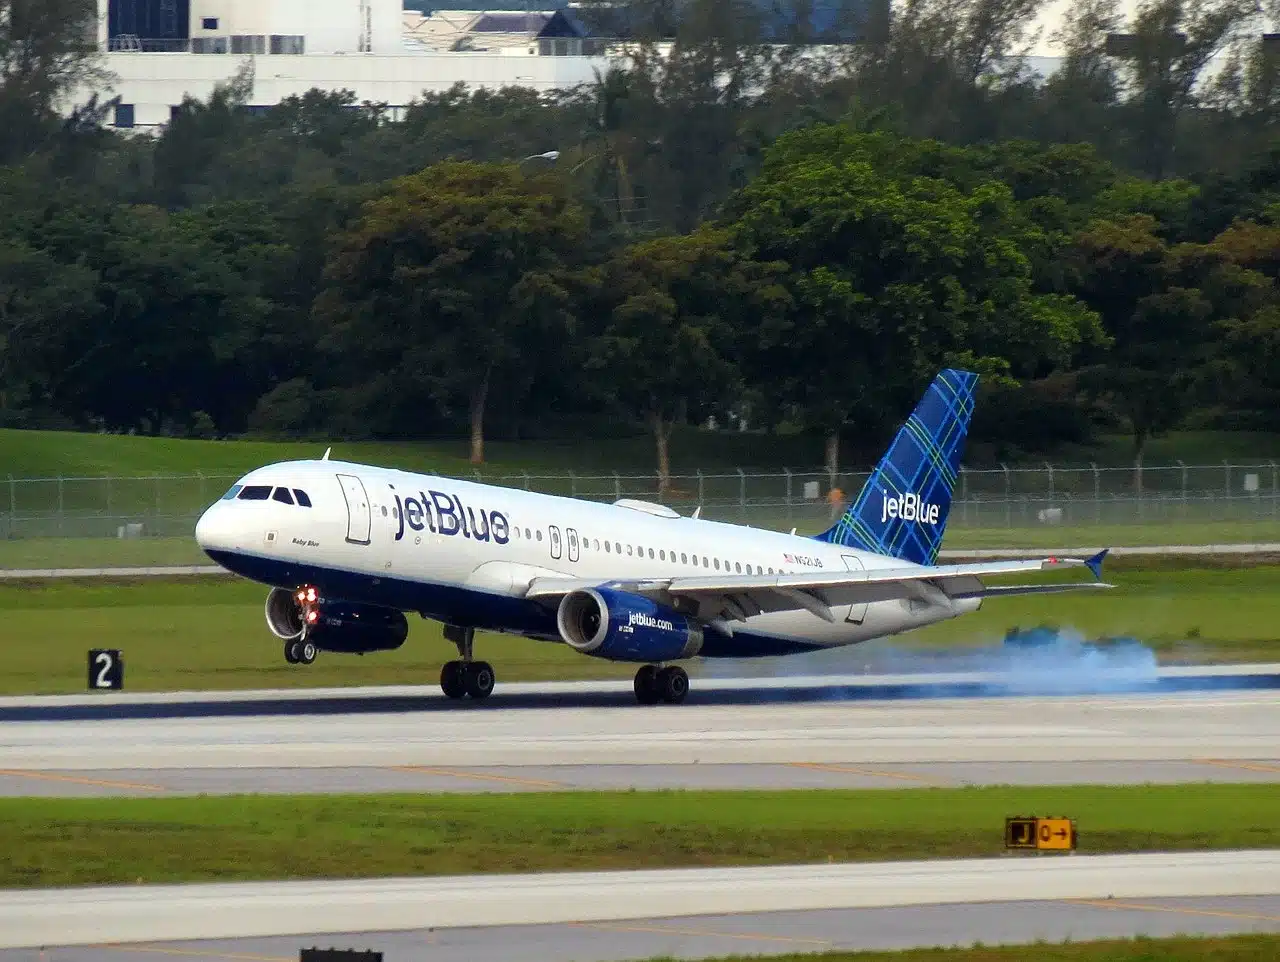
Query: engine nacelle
[333, 624]
[605, 623]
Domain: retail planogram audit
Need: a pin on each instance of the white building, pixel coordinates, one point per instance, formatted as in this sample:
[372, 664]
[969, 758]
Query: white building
[162, 50]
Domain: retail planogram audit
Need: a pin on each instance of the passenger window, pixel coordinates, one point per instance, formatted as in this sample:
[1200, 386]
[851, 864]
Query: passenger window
[595, 545]
[662, 554]
[528, 534]
[717, 561]
[606, 548]
[256, 492]
[737, 567]
[384, 510]
[539, 534]
[684, 558]
[304, 500]
[629, 552]
[230, 495]
[705, 562]
[650, 554]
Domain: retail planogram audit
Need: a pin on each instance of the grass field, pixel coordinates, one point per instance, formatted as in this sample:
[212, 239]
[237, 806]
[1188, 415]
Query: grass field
[48, 454]
[1238, 948]
[102, 841]
[210, 633]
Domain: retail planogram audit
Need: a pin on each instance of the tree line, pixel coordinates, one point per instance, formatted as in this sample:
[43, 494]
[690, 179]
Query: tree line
[729, 230]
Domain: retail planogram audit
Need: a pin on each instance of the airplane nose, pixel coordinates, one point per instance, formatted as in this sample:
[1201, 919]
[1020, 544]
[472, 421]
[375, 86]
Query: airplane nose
[211, 529]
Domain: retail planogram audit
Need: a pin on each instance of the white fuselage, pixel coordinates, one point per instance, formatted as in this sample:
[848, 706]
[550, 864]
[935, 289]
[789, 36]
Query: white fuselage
[456, 550]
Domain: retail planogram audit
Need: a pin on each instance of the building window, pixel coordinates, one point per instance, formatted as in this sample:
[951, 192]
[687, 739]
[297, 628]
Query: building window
[248, 44]
[288, 43]
[209, 23]
[209, 45]
[124, 115]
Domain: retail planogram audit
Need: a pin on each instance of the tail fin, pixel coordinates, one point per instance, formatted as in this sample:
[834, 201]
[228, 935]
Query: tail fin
[902, 510]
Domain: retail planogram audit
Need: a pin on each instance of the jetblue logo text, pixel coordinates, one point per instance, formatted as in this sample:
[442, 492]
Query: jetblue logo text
[648, 621]
[445, 514]
[909, 507]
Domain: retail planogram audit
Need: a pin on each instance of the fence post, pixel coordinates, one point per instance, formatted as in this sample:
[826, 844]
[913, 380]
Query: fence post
[964, 495]
[1097, 493]
[790, 510]
[1226, 486]
[203, 496]
[701, 493]
[525, 475]
[617, 487]
[1008, 496]
[13, 497]
[573, 484]
[742, 493]
[107, 479]
[1050, 468]
[61, 505]
[1275, 489]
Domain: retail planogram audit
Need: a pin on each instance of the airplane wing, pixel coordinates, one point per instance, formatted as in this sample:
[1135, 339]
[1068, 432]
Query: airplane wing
[738, 597]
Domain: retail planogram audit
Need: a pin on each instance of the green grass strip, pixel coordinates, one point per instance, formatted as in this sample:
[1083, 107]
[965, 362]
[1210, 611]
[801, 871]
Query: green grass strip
[113, 840]
[210, 633]
[1238, 948]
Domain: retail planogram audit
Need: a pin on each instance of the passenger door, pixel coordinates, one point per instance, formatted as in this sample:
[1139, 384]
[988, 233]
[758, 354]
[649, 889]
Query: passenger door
[359, 516]
[855, 614]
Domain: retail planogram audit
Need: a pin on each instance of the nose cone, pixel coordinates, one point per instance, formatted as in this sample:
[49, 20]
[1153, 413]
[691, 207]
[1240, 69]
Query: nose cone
[213, 530]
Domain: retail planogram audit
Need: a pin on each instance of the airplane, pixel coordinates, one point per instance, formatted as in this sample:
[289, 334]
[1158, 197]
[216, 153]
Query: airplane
[347, 549]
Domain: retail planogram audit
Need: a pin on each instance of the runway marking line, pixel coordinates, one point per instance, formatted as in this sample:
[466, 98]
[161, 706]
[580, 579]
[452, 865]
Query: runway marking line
[1243, 766]
[481, 776]
[193, 953]
[1172, 910]
[698, 933]
[97, 782]
[874, 772]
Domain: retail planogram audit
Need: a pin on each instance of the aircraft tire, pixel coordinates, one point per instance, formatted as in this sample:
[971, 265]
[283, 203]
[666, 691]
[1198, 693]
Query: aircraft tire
[307, 652]
[673, 684]
[646, 685]
[453, 680]
[479, 679]
[291, 652]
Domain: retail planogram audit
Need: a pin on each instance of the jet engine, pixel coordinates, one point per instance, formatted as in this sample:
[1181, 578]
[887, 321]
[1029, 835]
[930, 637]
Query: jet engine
[333, 624]
[620, 626]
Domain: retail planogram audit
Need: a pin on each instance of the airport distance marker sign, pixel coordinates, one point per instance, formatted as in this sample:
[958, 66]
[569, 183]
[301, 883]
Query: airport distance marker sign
[106, 669]
[1032, 834]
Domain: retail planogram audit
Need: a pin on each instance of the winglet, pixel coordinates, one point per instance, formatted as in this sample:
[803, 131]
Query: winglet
[326, 454]
[1095, 563]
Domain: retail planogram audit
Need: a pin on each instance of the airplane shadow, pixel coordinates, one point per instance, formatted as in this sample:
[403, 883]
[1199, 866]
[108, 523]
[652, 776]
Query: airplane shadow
[745, 694]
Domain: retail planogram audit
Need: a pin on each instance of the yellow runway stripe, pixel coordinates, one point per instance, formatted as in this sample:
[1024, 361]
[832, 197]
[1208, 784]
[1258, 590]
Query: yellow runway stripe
[873, 772]
[1115, 906]
[698, 933]
[76, 780]
[481, 776]
[1242, 765]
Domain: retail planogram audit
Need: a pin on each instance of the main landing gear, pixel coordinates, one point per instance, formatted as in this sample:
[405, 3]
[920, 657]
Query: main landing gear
[466, 677]
[654, 684]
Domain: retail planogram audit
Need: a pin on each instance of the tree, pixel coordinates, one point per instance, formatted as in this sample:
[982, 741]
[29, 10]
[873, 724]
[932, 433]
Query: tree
[893, 275]
[48, 50]
[1158, 304]
[450, 284]
[667, 346]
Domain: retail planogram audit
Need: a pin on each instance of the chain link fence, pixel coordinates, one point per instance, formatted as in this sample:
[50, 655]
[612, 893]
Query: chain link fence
[1024, 497]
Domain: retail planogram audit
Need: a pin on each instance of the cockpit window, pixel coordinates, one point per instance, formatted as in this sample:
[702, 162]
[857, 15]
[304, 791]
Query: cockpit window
[230, 495]
[256, 492]
[302, 497]
[282, 495]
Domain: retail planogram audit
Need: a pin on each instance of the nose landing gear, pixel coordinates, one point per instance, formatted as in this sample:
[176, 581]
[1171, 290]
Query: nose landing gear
[300, 652]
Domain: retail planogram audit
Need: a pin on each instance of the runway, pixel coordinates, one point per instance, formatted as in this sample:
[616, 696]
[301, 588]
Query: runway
[711, 936]
[565, 737]
[245, 910]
